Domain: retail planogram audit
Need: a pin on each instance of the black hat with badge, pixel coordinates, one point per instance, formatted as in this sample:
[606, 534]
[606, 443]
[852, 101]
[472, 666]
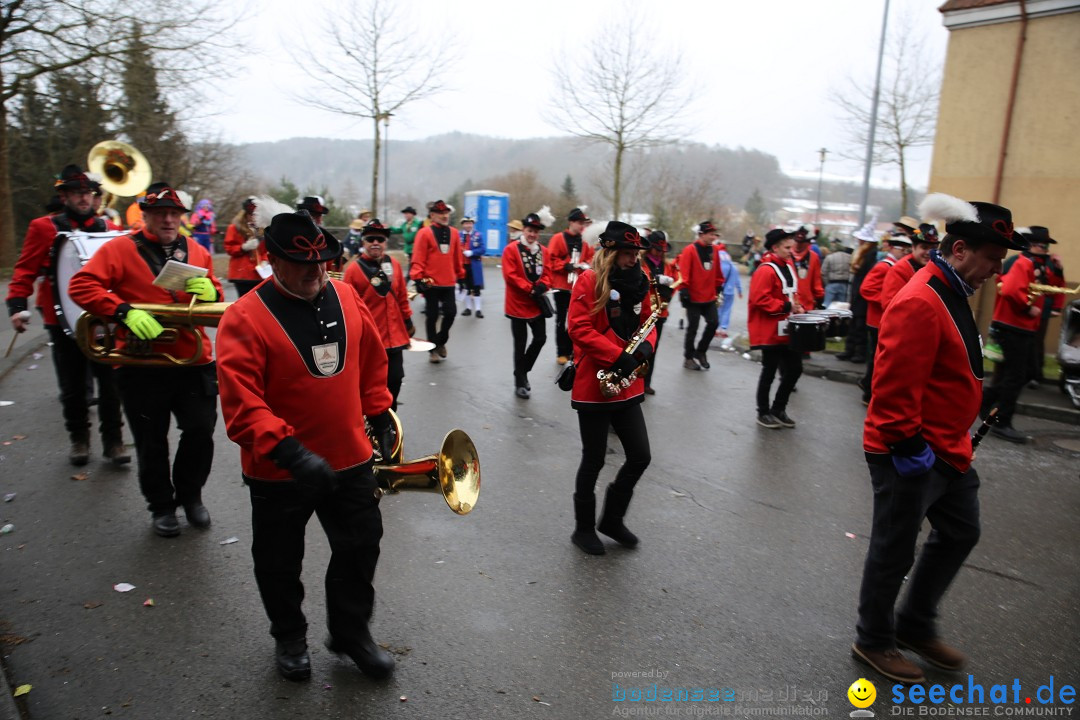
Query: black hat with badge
[314, 204]
[160, 196]
[1039, 235]
[72, 177]
[533, 220]
[295, 237]
[439, 207]
[927, 234]
[620, 236]
[978, 221]
[776, 235]
[375, 228]
[707, 227]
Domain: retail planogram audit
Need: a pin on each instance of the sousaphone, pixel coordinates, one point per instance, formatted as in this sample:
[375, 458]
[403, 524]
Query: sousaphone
[124, 171]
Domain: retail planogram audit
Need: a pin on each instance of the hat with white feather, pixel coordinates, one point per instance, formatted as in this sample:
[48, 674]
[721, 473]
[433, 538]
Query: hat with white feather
[978, 221]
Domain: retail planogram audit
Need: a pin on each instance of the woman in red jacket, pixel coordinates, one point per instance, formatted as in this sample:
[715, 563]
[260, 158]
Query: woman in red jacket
[246, 251]
[526, 269]
[607, 307]
[773, 297]
[380, 282]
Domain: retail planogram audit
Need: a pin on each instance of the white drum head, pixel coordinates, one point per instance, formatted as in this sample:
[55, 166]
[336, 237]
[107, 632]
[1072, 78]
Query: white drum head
[70, 253]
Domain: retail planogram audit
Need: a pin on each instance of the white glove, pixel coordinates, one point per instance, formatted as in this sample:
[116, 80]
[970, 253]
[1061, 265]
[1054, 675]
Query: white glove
[467, 253]
[250, 245]
[21, 320]
[664, 279]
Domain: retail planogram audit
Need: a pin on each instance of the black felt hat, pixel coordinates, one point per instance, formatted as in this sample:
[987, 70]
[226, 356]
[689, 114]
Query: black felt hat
[439, 207]
[980, 221]
[658, 239]
[578, 215]
[72, 177]
[707, 227]
[1041, 235]
[314, 204]
[927, 234]
[776, 235]
[374, 226]
[533, 220]
[409, 209]
[159, 196]
[295, 237]
[620, 236]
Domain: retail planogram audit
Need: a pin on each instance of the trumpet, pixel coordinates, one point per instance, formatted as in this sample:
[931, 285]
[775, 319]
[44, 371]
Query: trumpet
[453, 472]
[611, 383]
[1036, 290]
[96, 335]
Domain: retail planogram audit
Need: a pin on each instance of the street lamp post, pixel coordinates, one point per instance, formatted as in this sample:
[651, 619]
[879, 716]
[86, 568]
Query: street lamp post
[821, 174]
[386, 164]
[873, 120]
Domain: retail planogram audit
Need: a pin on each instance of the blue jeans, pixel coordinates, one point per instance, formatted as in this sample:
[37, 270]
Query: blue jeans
[725, 310]
[836, 292]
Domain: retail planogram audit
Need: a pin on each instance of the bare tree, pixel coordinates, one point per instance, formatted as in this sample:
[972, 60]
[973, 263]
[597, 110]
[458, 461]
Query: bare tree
[527, 191]
[625, 93]
[907, 109]
[41, 37]
[369, 62]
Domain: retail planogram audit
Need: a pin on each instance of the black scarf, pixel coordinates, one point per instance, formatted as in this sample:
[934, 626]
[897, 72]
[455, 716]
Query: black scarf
[372, 268]
[632, 287]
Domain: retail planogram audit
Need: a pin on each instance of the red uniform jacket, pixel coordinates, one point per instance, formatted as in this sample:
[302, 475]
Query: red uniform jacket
[871, 290]
[519, 302]
[1055, 275]
[34, 262]
[242, 263]
[927, 373]
[277, 379]
[428, 261]
[389, 311]
[118, 274]
[672, 271]
[769, 302]
[1011, 307]
[597, 347]
[704, 284]
[560, 258]
[896, 278]
[811, 289]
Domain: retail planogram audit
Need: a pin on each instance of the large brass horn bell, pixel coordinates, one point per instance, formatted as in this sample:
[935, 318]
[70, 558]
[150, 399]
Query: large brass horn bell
[454, 472]
[125, 171]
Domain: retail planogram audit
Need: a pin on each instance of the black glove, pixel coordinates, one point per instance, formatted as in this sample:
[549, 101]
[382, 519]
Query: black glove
[311, 471]
[421, 286]
[644, 352]
[625, 365]
[539, 288]
[410, 327]
[684, 296]
[382, 429]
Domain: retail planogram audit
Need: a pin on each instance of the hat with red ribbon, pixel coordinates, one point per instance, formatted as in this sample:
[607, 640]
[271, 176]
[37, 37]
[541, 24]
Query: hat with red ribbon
[620, 236]
[295, 237]
[72, 177]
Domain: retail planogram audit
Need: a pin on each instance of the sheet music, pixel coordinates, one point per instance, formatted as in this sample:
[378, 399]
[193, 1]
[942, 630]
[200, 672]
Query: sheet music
[175, 274]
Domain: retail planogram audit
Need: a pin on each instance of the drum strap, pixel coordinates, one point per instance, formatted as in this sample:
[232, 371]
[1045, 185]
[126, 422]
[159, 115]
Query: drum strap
[787, 282]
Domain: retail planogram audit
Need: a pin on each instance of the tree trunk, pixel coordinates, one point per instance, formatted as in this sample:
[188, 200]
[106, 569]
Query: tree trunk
[374, 206]
[8, 253]
[616, 199]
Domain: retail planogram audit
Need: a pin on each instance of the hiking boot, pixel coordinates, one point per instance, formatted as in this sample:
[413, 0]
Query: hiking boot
[691, 364]
[80, 449]
[197, 515]
[890, 663]
[433, 357]
[768, 421]
[117, 452]
[935, 652]
[441, 349]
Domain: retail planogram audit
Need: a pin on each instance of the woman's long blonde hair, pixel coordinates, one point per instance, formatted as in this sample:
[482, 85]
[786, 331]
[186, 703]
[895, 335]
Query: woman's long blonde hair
[601, 266]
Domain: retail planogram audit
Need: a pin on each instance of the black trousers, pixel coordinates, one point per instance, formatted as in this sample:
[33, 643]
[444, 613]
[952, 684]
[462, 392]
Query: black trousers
[652, 361]
[789, 363]
[395, 373]
[1038, 350]
[72, 368]
[1011, 373]
[439, 302]
[694, 313]
[563, 346]
[855, 343]
[151, 395]
[871, 350]
[525, 358]
[352, 522]
[244, 286]
[951, 504]
[629, 425]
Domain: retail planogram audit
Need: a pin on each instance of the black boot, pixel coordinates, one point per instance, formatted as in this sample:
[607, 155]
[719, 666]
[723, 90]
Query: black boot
[293, 661]
[585, 517]
[371, 659]
[611, 519]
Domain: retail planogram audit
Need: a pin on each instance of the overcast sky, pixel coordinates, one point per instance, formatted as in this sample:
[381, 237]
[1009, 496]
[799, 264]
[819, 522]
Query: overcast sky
[762, 69]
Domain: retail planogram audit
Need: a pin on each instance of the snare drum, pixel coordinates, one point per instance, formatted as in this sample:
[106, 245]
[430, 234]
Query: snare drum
[69, 253]
[844, 320]
[833, 319]
[807, 332]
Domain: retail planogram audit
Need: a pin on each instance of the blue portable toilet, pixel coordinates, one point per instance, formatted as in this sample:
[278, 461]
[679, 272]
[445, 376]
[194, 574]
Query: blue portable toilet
[490, 209]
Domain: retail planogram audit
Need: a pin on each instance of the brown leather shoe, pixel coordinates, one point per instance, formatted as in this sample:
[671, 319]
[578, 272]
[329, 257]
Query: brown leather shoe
[79, 454]
[441, 350]
[117, 452]
[890, 663]
[936, 652]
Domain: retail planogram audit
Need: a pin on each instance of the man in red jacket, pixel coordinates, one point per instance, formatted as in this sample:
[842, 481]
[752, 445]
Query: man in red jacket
[437, 264]
[378, 279]
[301, 366]
[526, 266]
[897, 246]
[699, 263]
[76, 191]
[119, 274]
[1017, 316]
[917, 440]
[808, 269]
[570, 256]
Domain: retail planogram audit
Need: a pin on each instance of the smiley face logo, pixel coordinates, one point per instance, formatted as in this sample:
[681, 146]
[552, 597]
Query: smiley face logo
[862, 693]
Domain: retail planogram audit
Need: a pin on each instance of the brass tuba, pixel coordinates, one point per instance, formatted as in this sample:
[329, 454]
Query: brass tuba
[454, 472]
[124, 171]
[96, 335]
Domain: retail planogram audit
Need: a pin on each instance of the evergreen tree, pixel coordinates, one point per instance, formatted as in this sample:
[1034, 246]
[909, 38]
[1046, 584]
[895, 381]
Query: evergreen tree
[286, 192]
[757, 210]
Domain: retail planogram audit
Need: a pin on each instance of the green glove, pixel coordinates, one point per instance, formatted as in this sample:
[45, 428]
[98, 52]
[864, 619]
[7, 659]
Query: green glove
[142, 324]
[202, 288]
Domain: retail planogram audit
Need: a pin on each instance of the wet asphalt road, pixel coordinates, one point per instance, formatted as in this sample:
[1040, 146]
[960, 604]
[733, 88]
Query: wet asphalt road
[747, 576]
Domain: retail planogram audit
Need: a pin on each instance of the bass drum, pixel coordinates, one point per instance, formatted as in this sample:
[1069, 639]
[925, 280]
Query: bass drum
[69, 253]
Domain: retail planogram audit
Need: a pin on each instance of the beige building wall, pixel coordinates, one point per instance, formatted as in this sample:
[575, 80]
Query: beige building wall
[1041, 179]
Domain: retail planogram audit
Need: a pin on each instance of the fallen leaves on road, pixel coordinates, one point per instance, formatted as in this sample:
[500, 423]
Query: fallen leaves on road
[80, 476]
[92, 604]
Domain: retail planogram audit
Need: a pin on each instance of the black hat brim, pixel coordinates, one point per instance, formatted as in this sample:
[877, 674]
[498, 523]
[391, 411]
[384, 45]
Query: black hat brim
[332, 251]
[980, 232]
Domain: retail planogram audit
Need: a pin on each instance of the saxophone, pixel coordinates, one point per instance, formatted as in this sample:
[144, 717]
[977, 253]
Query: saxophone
[611, 383]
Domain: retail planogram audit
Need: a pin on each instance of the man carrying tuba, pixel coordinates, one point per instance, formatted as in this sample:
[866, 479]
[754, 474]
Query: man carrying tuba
[76, 191]
[300, 363]
[122, 273]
